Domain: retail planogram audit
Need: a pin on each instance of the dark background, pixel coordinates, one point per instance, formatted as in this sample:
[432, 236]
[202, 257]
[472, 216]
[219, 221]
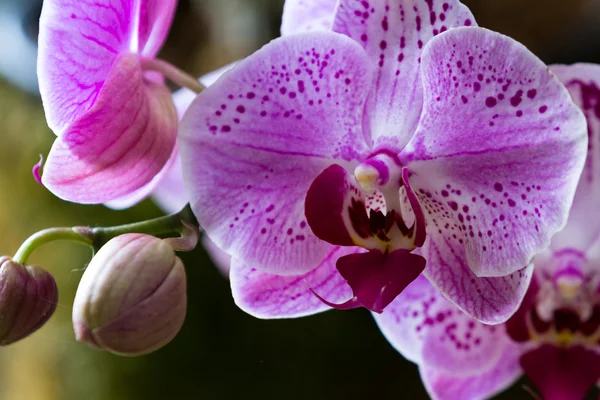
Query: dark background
[221, 353]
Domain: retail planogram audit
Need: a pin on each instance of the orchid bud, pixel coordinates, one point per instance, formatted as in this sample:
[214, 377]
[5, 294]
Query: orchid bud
[28, 298]
[132, 297]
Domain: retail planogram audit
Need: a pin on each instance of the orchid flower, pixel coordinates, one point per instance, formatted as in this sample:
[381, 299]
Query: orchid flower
[105, 98]
[328, 157]
[553, 337]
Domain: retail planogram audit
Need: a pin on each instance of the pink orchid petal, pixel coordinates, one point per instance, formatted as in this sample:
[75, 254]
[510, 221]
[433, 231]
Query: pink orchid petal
[583, 230]
[496, 160]
[133, 198]
[79, 43]
[255, 140]
[429, 330]
[154, 21]
[562, 373]
[272, 296]
[169, 193]
[490, 300]
[221, 259]
[394, 34]
[481, 385]
[517, 327]
[138, 123]
[307, 16]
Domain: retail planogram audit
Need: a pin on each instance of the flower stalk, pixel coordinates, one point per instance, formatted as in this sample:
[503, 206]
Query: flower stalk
[174, 225]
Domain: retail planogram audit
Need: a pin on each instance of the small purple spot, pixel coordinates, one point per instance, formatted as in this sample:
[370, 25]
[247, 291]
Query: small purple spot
[543, 109]
[491, 102]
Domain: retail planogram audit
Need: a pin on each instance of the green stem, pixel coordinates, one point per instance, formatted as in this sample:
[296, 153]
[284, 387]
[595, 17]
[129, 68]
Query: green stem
[167, 226]
[77, 234]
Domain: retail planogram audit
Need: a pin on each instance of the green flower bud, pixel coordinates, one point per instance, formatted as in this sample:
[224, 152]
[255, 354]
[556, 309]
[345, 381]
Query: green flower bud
[132, 297]
[28, 298]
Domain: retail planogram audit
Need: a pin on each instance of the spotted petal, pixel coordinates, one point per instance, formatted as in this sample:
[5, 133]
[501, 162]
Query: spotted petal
[255, 140]
[138, 124]
[498, 150]
[169, 194]
[429, 330]
[482, 385]
[307, 16]
[583, 226]
[79, 43]
[272, 296]
[491, 300]
[394, 33]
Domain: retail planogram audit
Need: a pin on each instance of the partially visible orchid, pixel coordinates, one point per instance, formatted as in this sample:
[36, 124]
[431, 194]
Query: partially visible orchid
[329, 158]
[105, 99]
[554, 336]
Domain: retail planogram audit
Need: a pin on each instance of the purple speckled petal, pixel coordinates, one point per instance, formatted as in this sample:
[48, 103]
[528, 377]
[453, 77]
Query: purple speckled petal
[307, 16]
[138, 123]
[170, 194]
[394, 33]
[481, 385]
[583, 229]
[498, 150]
[491, 300]
[271, 296]
[429, 330]
[80, 41]
[255, 140]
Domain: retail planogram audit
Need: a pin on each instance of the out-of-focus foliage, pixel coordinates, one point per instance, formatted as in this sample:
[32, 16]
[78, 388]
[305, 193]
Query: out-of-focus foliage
[221, 353]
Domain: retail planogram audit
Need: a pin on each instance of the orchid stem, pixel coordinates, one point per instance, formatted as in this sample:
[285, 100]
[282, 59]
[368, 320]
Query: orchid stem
[172, 73]
[76, 234]
[174, 225]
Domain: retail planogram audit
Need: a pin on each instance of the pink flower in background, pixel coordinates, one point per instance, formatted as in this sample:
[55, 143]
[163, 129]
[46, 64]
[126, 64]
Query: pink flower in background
[317, 159]
[553, 338]
[113, 116]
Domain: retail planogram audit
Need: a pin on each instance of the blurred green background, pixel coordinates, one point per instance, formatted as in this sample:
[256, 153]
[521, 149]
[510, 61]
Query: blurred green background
[221, 353]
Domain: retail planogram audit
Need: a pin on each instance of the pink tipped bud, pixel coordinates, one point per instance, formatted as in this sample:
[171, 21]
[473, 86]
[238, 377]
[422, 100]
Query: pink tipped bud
[131, 299]
[28, 298]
